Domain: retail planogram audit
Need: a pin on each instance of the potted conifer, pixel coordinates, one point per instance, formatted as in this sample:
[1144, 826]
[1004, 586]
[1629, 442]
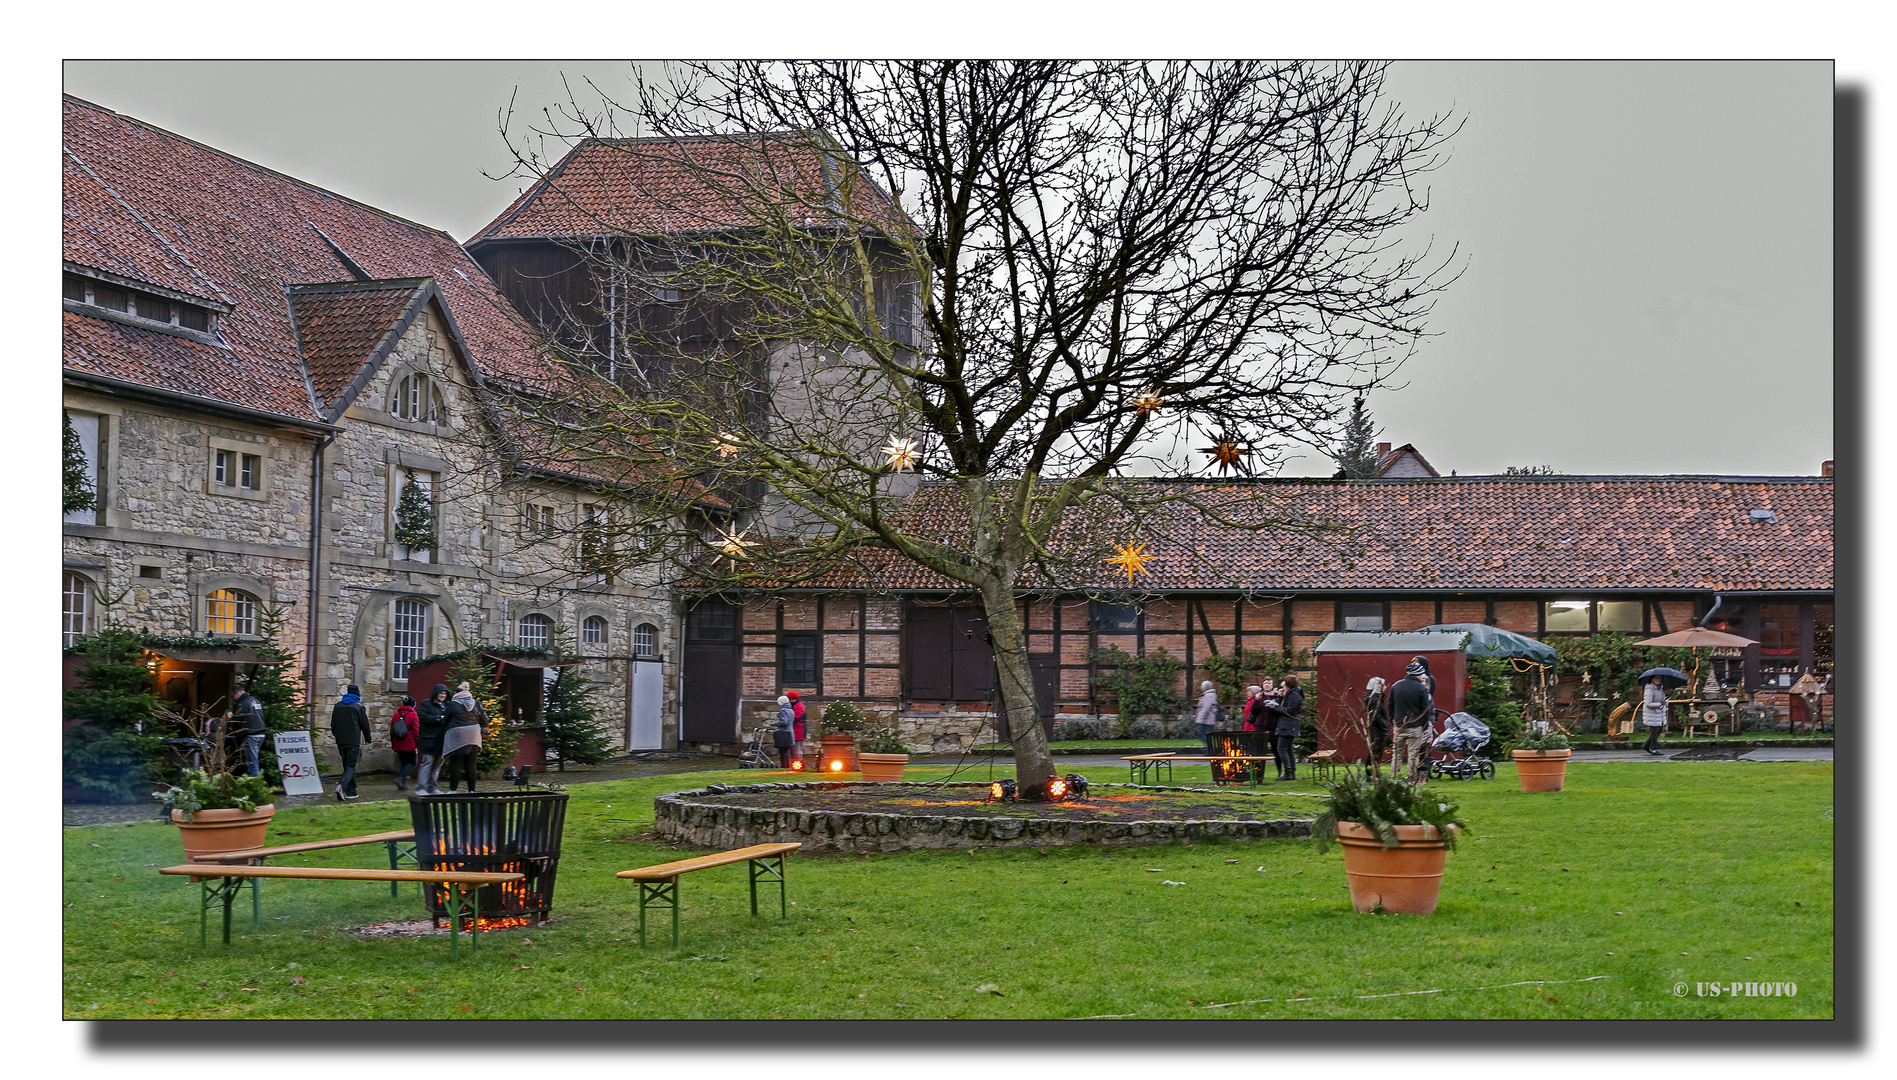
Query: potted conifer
[1541, 760]
[837, 730]
[216, 809]
[1396, 838]
[882, 755]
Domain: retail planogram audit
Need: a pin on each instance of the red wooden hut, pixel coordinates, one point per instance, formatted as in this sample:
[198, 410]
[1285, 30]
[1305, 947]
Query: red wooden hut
[1347, 660]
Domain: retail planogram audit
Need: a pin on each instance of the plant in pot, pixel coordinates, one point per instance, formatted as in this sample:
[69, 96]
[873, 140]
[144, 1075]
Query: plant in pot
[837, 730]
[882, 755]
[1541, 759]
[216, 810]
[1396, 838]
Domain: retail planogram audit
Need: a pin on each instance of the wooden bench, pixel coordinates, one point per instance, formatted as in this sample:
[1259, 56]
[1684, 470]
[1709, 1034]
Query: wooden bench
[222, 882]
[658, 885]
[1323, 764]
[1143, 762]
[256, 856]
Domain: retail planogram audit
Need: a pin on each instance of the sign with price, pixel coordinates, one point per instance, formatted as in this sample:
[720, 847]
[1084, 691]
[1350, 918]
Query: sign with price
[297, 758]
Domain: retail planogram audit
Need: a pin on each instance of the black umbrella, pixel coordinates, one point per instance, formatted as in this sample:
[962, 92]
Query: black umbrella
[1670, 678]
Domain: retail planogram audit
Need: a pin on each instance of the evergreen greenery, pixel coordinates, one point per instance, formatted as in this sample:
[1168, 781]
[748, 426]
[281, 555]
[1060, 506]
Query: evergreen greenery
[1380, 801]
[574, 730]
[1251, 666]
[1546, 740]
[274, 685]
[76, 490]
[201, 790]
[883, 741]
[1356, 453]
[106, 750]
[1615, 661]
[497, 739]
[415, 516]
[1139, 685]
[1491, 699]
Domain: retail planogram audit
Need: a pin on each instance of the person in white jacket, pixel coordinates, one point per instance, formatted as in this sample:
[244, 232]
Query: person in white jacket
[1653, 713]
[1207, 716]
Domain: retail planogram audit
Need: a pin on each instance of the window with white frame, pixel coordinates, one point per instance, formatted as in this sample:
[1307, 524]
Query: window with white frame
[235, 469]
[75, 609]
[231, 611]
[539, 518]
[536, 632]
[593, 630]
[426, 482]
[416, 397]
[408, 635]
[86, 426]
[645, 640]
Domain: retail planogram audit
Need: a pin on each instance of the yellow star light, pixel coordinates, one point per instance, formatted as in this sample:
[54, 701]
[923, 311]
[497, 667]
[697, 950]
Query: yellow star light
[902, 454]
[1226, 452]
[1132, 559]
[734, 545]
[1148, 403]
[727, 444]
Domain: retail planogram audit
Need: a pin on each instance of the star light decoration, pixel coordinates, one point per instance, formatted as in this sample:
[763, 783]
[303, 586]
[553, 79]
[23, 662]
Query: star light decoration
[1227, 451]
[902, 454]
[734, 545]
[1131, 559]
[727, 444]
[1148, 403]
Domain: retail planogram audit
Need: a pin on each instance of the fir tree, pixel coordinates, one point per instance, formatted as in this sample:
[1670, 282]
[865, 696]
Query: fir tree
[574, 729]
[105, 750]
[497, 739]
[415, 516]
[1356, 453]
[76, 490]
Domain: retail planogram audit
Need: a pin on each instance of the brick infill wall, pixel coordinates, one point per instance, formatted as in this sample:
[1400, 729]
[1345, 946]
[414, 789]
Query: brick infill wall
[707, 824]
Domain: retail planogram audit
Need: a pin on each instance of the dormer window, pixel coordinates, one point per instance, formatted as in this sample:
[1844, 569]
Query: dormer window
[137, 306]
[416, 398]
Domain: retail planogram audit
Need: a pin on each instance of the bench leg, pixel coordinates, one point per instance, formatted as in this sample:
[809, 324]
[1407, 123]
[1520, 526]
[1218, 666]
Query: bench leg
[463, 897]
[216, 891]
[656, 894]
[256, 905]
[761, 870]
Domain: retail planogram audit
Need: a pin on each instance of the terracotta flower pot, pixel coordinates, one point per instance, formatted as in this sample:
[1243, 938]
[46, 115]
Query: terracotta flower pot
[1541, 770]
[837, 747]
[1403, 879]
[213, 832]
[884, 768]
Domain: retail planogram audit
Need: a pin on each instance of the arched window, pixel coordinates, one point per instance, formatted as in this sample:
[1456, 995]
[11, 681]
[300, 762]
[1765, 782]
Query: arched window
[75, 609]
[536, 631]
[408, 635]
[416, 398]
[593, 630]
[229, 611]
[645, 640]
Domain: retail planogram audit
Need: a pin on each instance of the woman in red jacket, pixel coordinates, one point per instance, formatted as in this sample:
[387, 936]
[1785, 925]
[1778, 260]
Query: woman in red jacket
[408, 723]
[796, 715]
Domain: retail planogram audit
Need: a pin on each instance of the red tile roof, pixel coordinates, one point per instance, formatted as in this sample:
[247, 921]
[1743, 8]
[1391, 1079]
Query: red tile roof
[341, 326]
[663, 185]
[249, 234]
[1651, 533]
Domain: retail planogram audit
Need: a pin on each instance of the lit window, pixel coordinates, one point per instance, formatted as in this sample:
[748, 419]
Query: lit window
[536, 632]
[1563, 616]
[416, 398]
[231, 612]
[1624, 616]
[645, 640]
[593, 630]
[408, 636]
[75, 609]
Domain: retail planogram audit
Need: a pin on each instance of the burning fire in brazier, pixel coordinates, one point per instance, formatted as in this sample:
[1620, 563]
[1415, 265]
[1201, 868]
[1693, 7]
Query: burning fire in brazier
[517, 831]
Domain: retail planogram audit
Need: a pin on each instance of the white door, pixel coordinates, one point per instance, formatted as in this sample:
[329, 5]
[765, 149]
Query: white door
[648, 695]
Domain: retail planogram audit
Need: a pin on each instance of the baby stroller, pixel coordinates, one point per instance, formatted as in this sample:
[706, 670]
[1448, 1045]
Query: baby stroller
[1461, 737]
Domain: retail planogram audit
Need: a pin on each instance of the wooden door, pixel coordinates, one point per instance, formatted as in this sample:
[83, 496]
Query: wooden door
[972, 657]
[930, 670]
[709, 711]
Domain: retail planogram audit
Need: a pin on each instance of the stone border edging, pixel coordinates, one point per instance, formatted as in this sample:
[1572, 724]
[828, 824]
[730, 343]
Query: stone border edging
[713, 825]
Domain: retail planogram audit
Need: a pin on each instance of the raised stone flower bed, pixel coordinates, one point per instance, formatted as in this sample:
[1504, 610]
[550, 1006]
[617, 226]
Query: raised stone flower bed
[842, 816]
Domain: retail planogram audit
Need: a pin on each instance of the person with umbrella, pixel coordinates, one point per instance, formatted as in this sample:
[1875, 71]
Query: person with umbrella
[1653, 703]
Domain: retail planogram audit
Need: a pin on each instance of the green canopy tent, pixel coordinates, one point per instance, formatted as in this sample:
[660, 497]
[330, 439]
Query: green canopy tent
[1491, 642]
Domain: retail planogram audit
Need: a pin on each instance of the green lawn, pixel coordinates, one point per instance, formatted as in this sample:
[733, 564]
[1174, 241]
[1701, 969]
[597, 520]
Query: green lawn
[1650, 875]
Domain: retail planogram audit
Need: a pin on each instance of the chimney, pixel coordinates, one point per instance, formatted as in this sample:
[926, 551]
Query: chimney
[1383, 449]
[1825, 469]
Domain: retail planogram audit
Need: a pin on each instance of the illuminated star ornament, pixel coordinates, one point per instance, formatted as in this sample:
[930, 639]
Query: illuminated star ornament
[902, 454]
[734, 545]
[727, 444]
[1131, 559]
[1148, 403]
[1227, 452]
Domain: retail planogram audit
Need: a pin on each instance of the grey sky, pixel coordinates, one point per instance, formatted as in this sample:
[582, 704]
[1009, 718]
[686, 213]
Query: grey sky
[1648, 245]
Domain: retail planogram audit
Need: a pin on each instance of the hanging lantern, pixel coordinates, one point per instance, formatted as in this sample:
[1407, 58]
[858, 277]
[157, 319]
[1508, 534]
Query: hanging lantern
[1226, 451]
[734, 545]
[902, 454]
[1148, 403]
[1131, 559]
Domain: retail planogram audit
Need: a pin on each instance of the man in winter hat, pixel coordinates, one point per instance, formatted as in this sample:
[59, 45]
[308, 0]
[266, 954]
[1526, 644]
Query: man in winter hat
[349, 723]
[1412, 711]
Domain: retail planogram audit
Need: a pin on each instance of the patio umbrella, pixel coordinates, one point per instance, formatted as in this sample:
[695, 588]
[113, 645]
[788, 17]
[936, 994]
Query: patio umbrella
[1670, 678]
[1695, 637]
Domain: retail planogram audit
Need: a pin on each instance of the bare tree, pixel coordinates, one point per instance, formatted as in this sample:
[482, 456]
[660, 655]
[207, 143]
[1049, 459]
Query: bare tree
[1030, 283]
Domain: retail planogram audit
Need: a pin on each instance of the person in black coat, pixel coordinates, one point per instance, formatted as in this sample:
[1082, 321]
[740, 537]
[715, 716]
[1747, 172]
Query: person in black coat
[349, 723]
[434, 725]
[1412, 712]
[247, 717]
[1290, 715]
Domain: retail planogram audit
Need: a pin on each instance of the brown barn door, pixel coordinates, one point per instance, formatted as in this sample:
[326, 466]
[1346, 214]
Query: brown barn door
[709, 712]
[1046, 668]
[971, 656]
[930, 669]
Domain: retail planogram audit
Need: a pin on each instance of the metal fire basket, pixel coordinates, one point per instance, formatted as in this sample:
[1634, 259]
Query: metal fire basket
[517, 831]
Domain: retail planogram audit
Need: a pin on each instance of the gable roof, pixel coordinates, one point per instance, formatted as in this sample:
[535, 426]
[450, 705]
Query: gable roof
[194, 216]
[1387, 465]
[345, 329]
[672, 185]
[1535, 534]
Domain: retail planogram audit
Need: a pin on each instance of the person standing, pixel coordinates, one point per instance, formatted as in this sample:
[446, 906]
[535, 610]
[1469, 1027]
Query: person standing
[404, 736]
[796, 714]
[1412, 708]
[434, 727]
[1653, 713]
[461, 744]
[247, 716]
[349, 723]
[783, 732]
[1252, 709]
[1207, 716]
[1290, 712]
[1376, 711]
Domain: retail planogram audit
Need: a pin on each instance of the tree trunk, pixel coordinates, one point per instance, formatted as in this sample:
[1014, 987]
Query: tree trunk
[1033, 763]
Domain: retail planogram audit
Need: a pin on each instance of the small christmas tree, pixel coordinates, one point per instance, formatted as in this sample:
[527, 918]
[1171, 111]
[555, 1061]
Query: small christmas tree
[497, 739]
[415, 516]
[274, 685]
[575, 731]
[1356, 453]
[108, 748]
[76, 490]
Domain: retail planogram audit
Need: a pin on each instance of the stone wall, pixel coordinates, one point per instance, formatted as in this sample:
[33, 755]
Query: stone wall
[695, 818]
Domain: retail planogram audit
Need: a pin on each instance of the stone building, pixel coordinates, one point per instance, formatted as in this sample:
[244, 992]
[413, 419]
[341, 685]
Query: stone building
[255, 369]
